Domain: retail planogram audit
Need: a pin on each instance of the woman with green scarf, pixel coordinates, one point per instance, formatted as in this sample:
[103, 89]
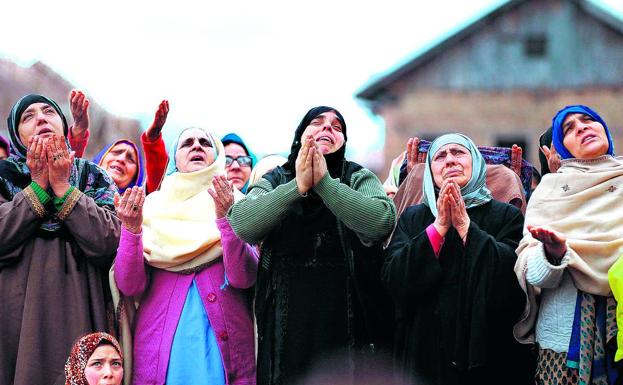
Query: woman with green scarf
[58, 237]
[449, 269]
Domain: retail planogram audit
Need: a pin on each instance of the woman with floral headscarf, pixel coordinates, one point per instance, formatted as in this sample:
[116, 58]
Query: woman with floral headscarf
[58, 236]
[449, 269]
[320, 219]
[179, 258]
[573, 235]
[95, 359]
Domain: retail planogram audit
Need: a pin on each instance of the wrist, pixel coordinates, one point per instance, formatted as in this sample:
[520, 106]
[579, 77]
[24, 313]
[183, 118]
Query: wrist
[442, 230]
[133, 229]
[61, 190]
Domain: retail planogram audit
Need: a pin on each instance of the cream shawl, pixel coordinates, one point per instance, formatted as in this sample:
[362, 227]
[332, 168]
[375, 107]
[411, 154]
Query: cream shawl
[584, 201]
[179, 220]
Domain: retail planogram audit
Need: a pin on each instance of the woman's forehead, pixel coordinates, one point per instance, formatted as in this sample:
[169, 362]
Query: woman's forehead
[452, 146]
[193, 133]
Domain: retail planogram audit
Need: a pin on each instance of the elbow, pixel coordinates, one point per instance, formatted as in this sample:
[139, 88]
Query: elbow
[128, 286]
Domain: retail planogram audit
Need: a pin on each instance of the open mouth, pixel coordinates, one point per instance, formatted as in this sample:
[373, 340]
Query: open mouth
[197, 158]
[45, 130]
[588, 138]
[324, 139]
[117, 169]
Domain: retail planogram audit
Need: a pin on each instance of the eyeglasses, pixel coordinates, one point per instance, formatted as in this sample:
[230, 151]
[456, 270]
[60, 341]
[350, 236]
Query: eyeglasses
[243, 160]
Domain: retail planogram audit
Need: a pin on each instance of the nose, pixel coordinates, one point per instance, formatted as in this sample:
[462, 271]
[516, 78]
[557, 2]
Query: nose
[41, 117]
[196, 145]
[234, 164]
[107, 371]
[450, 159]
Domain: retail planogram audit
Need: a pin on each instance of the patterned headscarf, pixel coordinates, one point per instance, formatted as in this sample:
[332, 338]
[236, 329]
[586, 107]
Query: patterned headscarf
[475, 192]
[558, 134]
[81, 352]
[140, 171]
[93, 181]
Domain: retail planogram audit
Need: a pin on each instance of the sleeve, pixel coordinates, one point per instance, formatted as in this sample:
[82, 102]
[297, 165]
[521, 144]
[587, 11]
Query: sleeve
[240, 258]
[364, 208]
[130, 269]
[540, 272]
[411, 268]
[19, 219]
[156, 160]
[78, 144]
[95, 229]
[254, 216]
[491, 255]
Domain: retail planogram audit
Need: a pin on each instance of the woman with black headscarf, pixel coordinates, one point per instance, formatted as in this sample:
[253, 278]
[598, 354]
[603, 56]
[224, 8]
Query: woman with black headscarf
[58, 237]
[319, 218]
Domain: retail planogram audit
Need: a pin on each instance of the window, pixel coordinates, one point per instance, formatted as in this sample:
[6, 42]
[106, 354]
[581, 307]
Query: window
[535, 46]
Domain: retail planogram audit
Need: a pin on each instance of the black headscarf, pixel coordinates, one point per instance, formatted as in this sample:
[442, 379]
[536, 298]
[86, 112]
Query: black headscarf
[334, 160]
[545, 140]
[17, 147]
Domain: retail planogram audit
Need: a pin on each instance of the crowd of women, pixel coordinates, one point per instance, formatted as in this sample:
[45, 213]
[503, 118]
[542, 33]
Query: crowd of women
[199, 264]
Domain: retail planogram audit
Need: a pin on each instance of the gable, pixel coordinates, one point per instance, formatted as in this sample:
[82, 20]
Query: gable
[524, 44]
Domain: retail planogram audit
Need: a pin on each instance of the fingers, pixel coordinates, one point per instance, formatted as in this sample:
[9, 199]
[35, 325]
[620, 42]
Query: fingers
[116, 200]
[124, 200]
[546, 151]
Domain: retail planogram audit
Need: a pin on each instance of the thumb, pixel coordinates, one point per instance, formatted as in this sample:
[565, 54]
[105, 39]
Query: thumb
[72, 156]
[116, 199]
[546, 151]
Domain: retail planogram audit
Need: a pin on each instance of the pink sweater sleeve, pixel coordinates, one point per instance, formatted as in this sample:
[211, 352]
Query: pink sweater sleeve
[436, 240]
[240, 258]
[130, 269]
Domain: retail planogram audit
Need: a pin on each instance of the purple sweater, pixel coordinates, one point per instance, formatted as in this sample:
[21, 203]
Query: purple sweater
[162, 295]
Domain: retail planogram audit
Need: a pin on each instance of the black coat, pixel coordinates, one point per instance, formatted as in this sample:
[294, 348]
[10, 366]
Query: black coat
[455, 312]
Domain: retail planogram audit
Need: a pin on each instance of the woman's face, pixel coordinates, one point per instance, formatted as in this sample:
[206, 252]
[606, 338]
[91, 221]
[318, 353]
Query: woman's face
[237, 173]
[326, 129]
[39, 119]
[104, 367]
[194, 151]
[121, 163]
[452, 161]
[584, 137]
[3, 154]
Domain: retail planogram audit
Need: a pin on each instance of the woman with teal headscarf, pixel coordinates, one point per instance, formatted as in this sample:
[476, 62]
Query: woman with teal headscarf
[58, 236]
[449, 269]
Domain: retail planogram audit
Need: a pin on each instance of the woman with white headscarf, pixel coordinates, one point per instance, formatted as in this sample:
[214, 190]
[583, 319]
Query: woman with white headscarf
[189, 271]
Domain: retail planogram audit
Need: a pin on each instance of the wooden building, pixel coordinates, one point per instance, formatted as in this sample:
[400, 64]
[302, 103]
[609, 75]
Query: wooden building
[501, 79]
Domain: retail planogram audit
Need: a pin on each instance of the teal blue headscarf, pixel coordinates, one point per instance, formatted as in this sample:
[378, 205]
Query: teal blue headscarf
[475, 192]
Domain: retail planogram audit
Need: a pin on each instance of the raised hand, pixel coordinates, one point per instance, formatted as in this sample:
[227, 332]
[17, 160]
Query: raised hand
[516, 157]
[553, 158]
[223, 194]
[304, 165]
[444, 216]
[319, 165]
[129, 208]
[412, 153]
[37, 161]
[160, 118]
[60, 162]
[79, 106]
[458, 212]
[555, 243]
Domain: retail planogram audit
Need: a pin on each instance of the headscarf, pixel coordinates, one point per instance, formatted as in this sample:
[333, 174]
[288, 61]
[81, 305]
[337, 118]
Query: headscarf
[140, 172]
[233, 138]
[81, 352]
[475, 192]
[266, 164]
[171, 166]
[557, 131]
[179, 228]
[334, 160]
[4, 143]
[18, 148]
[545, 140]
[87, 177]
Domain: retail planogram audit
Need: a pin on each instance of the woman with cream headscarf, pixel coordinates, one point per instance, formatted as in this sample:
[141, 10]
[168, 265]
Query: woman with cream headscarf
[449, 269]
[188, 269]
[573, 235]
